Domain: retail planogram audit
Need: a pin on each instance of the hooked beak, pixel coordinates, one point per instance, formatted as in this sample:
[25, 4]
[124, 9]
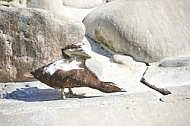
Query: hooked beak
[77, 53]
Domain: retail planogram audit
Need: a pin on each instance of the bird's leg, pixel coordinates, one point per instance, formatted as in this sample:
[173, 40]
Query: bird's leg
[62, 94]
[71, 92]
[74, 95]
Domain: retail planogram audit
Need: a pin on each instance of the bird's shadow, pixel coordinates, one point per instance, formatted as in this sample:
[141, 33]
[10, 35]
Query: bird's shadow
[34, 94]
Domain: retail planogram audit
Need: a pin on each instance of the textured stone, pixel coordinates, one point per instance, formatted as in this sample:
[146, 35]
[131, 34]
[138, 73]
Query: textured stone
[95, 66]
[85, 4]
[175, 61]
[57, 7]
[30, 38]
[13, 3]
[122, 59]
[50, 5]
[167, 77]
[146, 30]
[44, 108]
[175, 98]
[180, 90]
[125, 76]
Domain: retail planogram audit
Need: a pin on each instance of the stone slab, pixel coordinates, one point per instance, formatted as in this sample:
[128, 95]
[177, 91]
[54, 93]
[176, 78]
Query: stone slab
[137, 109]
[164, 77]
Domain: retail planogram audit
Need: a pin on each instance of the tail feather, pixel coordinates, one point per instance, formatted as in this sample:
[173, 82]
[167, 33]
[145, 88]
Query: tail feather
[109, 87]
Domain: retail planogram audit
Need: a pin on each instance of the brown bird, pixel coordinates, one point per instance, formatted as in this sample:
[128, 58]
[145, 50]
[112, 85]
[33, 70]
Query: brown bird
[71, 71]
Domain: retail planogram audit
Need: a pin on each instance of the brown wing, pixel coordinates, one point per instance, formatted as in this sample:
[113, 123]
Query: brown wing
[75, 78]
[81, 78]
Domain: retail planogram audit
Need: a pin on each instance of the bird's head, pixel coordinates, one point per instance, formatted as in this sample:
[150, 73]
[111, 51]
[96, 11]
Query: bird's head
[78, 50]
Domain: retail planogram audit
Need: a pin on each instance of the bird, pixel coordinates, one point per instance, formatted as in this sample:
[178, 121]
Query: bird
[71, 71]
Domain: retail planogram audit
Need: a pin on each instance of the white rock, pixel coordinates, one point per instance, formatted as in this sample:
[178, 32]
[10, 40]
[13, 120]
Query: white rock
[13, 3]
[175, 98]
[175, 61]
[125, 76]
[122, 59]
[57, 7]
[95, 66]
[50, 5]
[146, 30]
[167, 77]
[108, 110]
[85, 4]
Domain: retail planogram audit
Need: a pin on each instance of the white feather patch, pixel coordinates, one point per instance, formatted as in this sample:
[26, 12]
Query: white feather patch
[64, 64]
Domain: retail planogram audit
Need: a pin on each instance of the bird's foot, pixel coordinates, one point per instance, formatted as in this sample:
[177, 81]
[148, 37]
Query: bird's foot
[63, 97]
[74, 95]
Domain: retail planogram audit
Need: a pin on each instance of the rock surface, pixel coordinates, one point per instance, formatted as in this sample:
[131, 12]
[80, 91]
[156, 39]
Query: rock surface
[13, 3]
[38, 105]
[148, 31]
[85, 4]
[175, 98]
[175, 61]
[30, 38]
[95, 66]
[122, 59]
[50, 5]
[166, 77]
[58, 7]
[125, 76]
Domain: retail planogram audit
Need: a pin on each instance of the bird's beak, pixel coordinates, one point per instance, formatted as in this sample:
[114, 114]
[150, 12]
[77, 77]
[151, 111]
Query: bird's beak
[77, 53]
[81, 54]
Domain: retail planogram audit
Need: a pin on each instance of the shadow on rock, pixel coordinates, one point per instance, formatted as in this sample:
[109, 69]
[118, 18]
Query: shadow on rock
[33, 94]
[96, 47]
